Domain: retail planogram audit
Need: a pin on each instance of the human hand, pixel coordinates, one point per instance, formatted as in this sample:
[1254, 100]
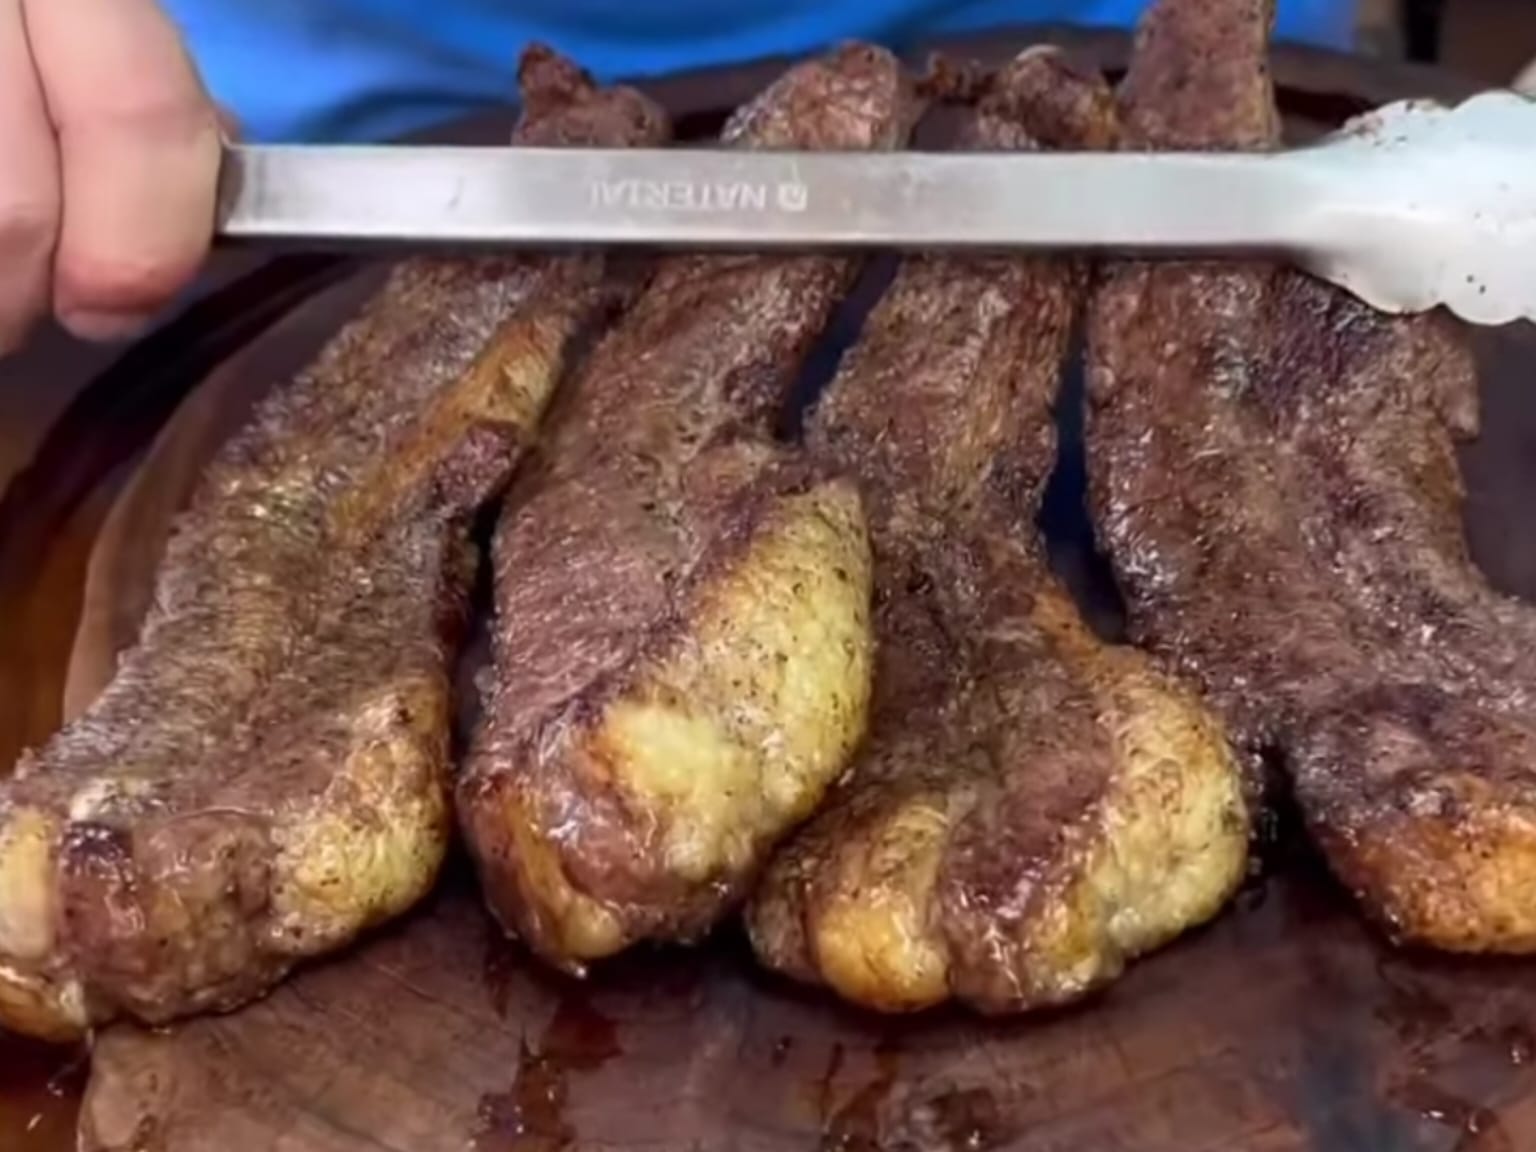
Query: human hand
[109, 157]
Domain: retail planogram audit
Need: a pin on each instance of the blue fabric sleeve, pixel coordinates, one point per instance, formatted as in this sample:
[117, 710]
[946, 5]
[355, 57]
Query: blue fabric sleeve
[369, 69]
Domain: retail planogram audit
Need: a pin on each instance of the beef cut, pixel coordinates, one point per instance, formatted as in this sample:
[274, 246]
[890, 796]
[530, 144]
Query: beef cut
[1275, 478]
[267, 773]
[1034, 806]
[682, 649]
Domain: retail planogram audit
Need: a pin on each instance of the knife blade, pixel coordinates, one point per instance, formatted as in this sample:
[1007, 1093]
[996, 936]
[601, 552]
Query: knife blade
[1410, 207]
[533, 197]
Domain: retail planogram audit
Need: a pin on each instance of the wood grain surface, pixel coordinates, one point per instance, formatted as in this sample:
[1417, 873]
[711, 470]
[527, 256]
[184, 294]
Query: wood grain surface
[1285, 1025]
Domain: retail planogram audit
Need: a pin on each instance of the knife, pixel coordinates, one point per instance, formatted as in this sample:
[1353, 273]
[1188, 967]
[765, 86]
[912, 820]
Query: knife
[1409, 207]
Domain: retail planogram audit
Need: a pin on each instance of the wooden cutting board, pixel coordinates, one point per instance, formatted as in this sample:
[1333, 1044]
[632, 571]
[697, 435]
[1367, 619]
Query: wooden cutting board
[1283, 1026]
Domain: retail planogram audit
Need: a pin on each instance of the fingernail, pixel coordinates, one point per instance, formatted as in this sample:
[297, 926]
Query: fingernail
[105, 325]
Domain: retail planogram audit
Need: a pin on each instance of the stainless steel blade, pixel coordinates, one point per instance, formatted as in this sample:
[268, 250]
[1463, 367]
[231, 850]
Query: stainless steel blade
[1410, 208]
[713, 199]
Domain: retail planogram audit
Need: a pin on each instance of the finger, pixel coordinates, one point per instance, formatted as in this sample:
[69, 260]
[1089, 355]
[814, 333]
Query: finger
[139, 155]
[29, 184]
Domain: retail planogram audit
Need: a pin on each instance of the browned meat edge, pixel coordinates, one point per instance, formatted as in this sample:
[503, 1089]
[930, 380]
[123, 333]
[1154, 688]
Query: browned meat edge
[1276, 481]
[266, 774]
[664, 576]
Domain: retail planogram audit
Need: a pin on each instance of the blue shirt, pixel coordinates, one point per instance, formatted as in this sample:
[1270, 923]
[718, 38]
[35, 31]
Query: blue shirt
[343, 70]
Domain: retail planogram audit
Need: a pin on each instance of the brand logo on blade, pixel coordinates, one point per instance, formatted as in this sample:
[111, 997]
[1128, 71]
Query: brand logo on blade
[685, 196]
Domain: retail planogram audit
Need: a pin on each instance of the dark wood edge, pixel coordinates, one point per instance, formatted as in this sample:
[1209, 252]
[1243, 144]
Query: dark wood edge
[122, 409]
[59, 493]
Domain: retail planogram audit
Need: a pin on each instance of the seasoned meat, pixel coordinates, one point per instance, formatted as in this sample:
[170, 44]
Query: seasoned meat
[266, 775]
[1275, 479]
[682, 621]
[1034, 806]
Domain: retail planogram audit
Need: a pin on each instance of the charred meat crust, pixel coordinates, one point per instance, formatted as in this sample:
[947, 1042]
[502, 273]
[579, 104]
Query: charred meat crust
[1033, 807]
[266, 775]
[642, 749]
[1275, 479]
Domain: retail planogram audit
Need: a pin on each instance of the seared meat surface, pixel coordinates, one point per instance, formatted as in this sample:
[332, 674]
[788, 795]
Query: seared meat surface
[1276, 482]
[267, 773]
[1034, 807]
[702, 637]
[682, 637]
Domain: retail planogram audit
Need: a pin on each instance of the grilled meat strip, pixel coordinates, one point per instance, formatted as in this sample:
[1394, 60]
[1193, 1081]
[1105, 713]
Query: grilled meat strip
[267, 773]
[1275, 479]
[1034, 806]
[682, 633]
